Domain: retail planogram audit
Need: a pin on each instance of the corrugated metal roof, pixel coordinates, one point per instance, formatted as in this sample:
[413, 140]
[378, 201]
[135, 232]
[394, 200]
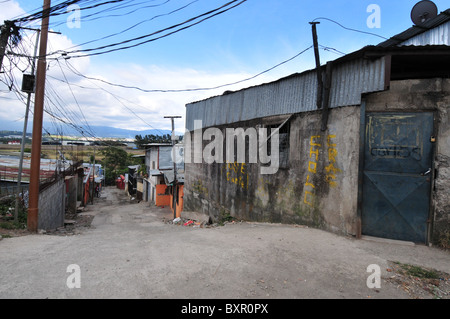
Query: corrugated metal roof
[436, 36]
[350, 80]
[169, 177]
[354, 74]
[434, 31]
[294, 94]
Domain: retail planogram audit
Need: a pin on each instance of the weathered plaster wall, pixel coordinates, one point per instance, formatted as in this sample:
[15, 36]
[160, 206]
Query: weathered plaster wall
[319, 188]
[71, 193]
[426, 95]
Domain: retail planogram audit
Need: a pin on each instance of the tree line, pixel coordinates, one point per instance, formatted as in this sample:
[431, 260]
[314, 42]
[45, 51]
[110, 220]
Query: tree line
[140, 140]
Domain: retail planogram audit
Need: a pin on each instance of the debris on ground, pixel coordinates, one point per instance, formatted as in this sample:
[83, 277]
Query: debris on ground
[73, 226]
[419, 282]
[185, 222]
[74, 223]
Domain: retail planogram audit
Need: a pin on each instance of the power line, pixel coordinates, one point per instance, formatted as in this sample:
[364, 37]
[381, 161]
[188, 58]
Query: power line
[186, 90]
[119, 99]
[350, 29]
[76, 101]
[60, 9]
[136, 25]
[211, 13]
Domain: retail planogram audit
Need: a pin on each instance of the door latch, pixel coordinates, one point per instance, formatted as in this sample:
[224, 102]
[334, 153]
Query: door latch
[427, 172]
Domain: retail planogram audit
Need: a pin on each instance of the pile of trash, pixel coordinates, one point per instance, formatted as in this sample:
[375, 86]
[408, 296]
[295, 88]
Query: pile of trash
[188, 223]
[197, 224]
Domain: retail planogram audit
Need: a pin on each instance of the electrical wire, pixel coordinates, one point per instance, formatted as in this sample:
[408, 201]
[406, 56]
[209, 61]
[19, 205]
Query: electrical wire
[60, 9]
[95, 16]
[181, 26]
[349, 29]
[71, 67]
[136, 25]
[73, 95]
[119, 99]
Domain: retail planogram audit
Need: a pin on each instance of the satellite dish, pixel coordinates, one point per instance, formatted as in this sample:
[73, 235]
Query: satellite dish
[423, 11]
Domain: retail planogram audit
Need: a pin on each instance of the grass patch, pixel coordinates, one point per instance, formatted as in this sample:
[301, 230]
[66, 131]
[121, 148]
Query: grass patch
[7, 221]
[418, 272]
[444, 239]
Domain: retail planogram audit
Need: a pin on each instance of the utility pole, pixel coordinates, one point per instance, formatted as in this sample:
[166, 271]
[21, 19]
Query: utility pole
[175, 184]
[323, 91]
[4, 38]
[93, 179]
[319, 71]
[24, 133]
[35, 167]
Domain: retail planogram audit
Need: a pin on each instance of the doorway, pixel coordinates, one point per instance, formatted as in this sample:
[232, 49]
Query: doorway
[397, 174]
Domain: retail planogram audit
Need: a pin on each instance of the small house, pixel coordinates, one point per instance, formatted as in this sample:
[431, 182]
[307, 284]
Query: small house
[364, 154]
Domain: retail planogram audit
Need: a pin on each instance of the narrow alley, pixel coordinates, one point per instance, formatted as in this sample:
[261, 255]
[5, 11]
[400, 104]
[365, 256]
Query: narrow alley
[132, 250]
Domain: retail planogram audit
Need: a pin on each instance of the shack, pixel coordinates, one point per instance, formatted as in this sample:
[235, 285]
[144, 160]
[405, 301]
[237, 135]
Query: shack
[371, 159]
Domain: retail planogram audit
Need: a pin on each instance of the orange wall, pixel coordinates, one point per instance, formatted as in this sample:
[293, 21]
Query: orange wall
[167, 200]
[161, 198]
[180, 200]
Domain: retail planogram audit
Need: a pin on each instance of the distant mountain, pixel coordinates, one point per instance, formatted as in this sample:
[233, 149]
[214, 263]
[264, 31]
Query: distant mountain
[98, 131]
[112, 132]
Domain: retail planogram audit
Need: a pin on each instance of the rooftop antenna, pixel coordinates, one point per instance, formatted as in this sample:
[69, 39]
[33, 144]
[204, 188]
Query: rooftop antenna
[423, 11]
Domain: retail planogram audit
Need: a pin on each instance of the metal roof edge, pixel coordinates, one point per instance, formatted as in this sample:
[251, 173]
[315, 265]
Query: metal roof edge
[415, 30]
[367, 52]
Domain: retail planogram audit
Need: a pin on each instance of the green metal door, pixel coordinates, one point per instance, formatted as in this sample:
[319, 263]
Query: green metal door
[397, 175]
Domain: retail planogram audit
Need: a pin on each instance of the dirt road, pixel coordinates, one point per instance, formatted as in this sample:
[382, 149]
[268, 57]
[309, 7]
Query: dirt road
[131, 252]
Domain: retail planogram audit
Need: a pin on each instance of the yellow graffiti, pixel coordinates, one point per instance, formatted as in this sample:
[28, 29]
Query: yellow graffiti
[312, 167]
[312, 143]
[331, 169]
[308, 198]
[236, 173]
[199, 188]
[308, 183]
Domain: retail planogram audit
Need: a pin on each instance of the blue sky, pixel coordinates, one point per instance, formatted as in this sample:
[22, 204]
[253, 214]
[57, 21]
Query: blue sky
[235, 45]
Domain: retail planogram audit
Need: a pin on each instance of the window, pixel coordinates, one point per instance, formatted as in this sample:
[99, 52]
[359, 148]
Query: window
[284, 145]
[283, 135]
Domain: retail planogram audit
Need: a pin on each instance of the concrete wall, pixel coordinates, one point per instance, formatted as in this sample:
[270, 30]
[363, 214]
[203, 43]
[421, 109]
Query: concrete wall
[426, 95]
[71, 193]
[320, 185]
[80, 186]
[318, 188]
[52, 206]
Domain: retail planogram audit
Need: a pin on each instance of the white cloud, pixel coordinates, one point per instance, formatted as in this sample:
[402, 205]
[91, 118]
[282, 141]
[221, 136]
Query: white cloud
[97, 103]
[137, 110]
[87, 102]
[10, 9]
